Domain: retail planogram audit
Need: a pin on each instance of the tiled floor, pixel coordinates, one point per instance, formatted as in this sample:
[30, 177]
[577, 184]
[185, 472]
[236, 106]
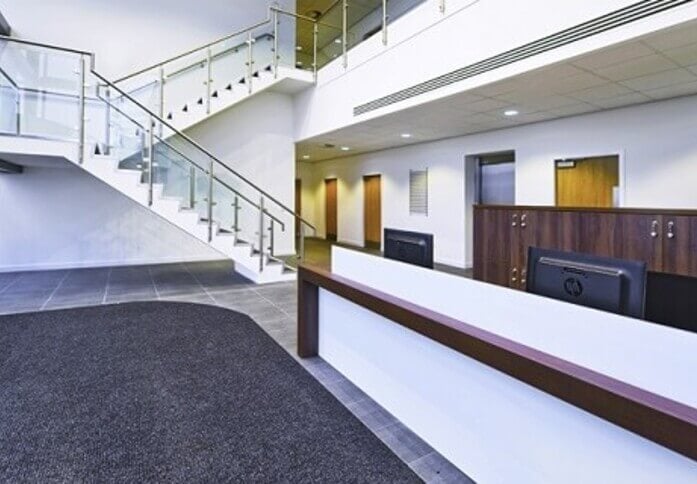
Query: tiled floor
[273, 307]
[319, 252]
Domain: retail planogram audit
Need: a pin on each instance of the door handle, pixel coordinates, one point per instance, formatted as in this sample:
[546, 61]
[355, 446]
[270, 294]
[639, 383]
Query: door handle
[523, 220]
[515, 220]
[671, 230]
[654, 229]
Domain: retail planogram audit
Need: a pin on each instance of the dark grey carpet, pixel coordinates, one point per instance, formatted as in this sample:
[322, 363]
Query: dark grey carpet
[170, 392]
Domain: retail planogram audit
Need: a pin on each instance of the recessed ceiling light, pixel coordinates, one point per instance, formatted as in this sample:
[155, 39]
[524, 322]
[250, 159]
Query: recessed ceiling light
[345, 148]
[338, 41]
[406, 135]
[306, 157]
[298, 48]
[511, 112]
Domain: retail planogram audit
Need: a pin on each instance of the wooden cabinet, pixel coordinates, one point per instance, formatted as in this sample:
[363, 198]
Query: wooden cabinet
[666, 240]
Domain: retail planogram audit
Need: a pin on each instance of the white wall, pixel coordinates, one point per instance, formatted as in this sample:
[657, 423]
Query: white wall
[130, 34]
[655, 141]
[63, 217]
[255, 138]
[424, 44]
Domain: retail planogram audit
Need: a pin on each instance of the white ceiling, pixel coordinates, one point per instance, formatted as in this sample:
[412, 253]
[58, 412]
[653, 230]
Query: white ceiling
[656, 67]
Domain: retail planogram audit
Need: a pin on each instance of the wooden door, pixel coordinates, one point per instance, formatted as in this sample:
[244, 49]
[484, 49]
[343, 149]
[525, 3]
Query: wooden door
[679, 240]
[492, 245]
[588, 183]
[331, 214]
[298, 203]
[372, 211]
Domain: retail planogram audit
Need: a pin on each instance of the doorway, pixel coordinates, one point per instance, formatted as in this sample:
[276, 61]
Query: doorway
[372, 211]
[331, 222]
[588, 182]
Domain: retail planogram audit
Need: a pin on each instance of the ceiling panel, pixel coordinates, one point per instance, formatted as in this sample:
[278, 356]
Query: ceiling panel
[660, 66]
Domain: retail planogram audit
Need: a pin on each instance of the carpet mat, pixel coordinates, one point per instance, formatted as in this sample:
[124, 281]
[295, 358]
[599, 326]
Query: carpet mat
[170, 392]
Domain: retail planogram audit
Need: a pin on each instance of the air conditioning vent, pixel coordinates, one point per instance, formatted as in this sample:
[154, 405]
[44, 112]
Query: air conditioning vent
[624, 16]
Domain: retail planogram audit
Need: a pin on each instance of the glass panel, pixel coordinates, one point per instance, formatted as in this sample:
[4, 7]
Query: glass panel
[364, 20]
[263, 49]
[229, 67]
[185, 84]
[297, 42]
[329, 37]
[397, 8]
[9, 97]
[47, 88]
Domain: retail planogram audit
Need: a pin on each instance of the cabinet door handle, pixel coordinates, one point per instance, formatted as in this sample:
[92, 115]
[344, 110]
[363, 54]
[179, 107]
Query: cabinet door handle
[514, 275]
[523, 220]
[654, 229]
[515, 220]
[671, 230]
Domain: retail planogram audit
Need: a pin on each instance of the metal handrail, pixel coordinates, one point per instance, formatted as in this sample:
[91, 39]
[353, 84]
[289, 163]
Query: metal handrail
[7, 76]
[202, 149]
[189, 52]
[189, 160]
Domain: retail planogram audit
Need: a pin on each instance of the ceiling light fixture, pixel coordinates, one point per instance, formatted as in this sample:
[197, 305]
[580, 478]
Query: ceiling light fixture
[511, 112]
[338, 41]
[298, 48]
[306, 157]
[345, 148]
[406, 135]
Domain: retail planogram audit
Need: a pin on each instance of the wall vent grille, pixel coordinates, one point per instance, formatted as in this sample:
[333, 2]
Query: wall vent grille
[632, 13]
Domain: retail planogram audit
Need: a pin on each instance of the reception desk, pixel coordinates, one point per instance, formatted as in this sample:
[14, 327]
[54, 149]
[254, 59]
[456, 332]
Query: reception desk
[510, 387]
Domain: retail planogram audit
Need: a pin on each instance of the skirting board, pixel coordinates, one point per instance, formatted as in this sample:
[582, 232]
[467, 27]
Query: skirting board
[95, 264]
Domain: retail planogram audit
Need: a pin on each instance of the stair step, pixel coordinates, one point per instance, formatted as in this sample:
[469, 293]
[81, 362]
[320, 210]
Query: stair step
[228, 87]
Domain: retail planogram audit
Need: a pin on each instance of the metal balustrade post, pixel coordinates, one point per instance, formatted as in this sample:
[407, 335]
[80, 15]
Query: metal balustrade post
[210, 201]
[344, 32]
[250, 62]
[384, 22]
[271, 237]
[150, 157]
[18, 107]
[209, 80]
[441, 6]
[162, 97]
[107, 122]
[81, 111]
[315, 33]
[276, 55]
[192, 187]
[236, 216]
[261, 234]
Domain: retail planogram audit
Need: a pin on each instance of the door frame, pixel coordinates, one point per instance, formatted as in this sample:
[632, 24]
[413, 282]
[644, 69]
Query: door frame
[622, 167]
[365, 240]
[326, 232]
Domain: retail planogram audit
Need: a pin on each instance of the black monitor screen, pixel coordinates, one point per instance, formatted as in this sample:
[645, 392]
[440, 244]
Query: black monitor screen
[411, 247]
[607, 284]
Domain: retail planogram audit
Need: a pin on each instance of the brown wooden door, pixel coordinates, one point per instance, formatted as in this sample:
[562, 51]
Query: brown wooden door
[589, 183]
[372, 211]
[492, 245]
[298, 203]
[331, 208]
[679, 240]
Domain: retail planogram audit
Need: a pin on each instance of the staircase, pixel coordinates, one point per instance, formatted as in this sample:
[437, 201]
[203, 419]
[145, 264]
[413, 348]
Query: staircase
[130, 135]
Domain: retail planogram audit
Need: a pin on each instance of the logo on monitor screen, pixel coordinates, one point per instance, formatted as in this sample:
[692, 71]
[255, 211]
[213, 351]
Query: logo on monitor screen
[573, 287]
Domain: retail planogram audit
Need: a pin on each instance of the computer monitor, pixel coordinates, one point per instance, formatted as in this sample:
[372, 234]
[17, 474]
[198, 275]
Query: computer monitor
[410, 247]
[613, 285]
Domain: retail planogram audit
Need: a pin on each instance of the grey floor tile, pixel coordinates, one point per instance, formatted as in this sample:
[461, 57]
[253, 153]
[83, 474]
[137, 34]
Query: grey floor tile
[434, 468]
[371, 414]
[345, 391]
[403, 442]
